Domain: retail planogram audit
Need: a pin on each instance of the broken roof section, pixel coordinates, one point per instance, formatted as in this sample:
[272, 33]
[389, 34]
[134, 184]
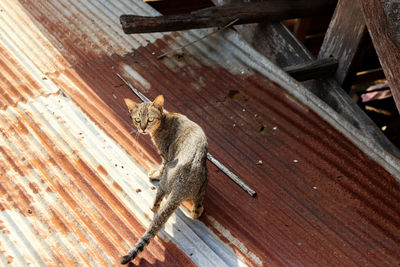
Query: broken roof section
[69, 157]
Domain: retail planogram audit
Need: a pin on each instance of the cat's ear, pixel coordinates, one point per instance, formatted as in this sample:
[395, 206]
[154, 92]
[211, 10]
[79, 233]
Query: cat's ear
[130, 104]
[159, 102]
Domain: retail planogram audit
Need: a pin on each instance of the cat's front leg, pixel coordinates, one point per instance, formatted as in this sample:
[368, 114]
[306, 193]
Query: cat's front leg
[155, 175]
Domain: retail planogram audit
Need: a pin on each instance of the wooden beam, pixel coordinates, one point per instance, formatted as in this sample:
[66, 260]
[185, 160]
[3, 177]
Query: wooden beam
[313, 70]
[392, 8]
[273, 10]
[385, 43]
[343, 40]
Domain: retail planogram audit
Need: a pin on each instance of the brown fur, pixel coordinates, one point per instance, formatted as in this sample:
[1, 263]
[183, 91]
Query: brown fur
[182, 145]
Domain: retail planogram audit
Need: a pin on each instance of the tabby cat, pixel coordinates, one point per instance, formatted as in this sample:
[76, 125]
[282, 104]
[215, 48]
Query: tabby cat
[182, 146]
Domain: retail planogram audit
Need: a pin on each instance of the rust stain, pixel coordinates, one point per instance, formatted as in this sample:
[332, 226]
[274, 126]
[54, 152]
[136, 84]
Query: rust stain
[21, 128]
[49, 190]
[10, 160]
[117, 186]
[57, 220]
[102, 170]
[6, 232]
[34, 187]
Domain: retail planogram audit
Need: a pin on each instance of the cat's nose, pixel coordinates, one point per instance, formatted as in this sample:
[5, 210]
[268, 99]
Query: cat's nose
[143, 127]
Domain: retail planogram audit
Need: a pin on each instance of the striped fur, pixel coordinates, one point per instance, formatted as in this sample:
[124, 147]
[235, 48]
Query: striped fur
[182, 146]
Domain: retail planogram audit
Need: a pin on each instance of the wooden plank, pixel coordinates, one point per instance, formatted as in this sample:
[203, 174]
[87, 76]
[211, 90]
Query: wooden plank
[313, 70]
[343, 40]
[385, 43]
[273, 10]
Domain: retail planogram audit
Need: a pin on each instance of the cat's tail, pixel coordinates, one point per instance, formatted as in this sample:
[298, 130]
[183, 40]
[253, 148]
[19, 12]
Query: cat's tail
[160, 218]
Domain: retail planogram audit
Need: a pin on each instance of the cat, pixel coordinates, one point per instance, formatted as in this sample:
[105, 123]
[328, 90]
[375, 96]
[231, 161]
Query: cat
[182, 145]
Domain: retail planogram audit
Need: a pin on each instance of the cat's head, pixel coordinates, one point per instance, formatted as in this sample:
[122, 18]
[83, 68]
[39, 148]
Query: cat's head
[146, 116]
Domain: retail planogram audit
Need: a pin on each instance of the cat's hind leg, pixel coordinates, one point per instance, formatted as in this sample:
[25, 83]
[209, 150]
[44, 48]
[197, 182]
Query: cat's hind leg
[157, 200]
[198, 202]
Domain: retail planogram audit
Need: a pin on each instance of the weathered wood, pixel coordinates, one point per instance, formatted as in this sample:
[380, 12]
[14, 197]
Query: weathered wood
[313, 70]
[343, 40]
[385, 43]
[392, 10]
[273, 10]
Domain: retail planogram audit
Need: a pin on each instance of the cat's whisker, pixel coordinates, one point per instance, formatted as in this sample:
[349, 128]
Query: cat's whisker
[137, 135]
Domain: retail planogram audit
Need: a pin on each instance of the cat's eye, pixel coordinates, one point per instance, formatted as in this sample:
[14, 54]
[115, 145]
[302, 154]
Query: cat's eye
[137, 120]
[150, 119]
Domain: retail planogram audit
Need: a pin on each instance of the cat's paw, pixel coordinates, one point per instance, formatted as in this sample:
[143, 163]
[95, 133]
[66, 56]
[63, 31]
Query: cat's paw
[155, 208]
[196, 213]
[154, 175]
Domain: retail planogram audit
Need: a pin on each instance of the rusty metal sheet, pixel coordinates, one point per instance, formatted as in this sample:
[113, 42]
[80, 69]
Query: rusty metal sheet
[323, 196]
[64, 190]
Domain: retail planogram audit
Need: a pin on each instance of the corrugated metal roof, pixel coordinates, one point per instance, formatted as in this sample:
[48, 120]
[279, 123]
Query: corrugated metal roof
[321, 199]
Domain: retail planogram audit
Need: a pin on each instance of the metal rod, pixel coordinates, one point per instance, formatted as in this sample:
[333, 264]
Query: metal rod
[231, 175]
[210, 157]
